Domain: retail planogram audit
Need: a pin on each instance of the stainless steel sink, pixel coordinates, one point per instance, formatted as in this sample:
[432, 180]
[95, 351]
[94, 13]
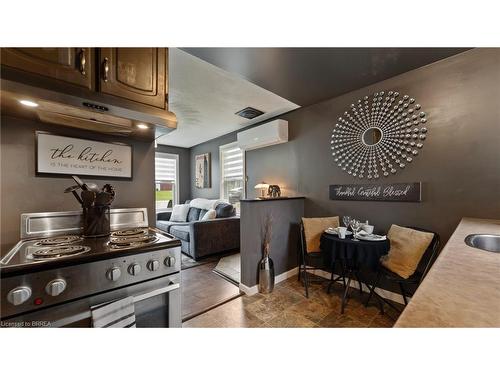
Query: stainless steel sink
[488, 242]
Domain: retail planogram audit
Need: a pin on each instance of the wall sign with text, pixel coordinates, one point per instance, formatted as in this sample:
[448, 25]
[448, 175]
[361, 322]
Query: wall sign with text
[397, 192]
[64, 155]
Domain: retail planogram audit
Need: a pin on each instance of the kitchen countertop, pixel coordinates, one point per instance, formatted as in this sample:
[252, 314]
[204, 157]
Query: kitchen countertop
[462, 289]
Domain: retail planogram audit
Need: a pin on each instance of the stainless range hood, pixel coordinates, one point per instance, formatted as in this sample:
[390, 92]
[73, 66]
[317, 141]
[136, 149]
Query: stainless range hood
[85, 112]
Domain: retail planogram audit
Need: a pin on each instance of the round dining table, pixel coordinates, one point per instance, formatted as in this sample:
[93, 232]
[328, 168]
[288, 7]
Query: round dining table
[352, 255]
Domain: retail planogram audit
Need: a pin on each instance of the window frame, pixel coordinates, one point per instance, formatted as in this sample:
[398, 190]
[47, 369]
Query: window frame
[221, 169]
[176, 185]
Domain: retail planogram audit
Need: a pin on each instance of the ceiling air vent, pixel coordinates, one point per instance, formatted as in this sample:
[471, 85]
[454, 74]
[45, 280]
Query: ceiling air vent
[249, 113]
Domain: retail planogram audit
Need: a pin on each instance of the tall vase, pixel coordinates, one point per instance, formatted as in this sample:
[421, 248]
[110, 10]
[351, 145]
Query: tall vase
[266, 275]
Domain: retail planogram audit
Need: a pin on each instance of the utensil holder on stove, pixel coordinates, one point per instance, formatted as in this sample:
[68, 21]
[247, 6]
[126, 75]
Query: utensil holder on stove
[96, 221]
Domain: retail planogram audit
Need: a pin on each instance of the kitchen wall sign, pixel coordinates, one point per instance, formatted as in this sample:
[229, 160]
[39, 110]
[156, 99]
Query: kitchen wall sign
[64, 155]
[379, 135]
[202, 168]
[396, 192]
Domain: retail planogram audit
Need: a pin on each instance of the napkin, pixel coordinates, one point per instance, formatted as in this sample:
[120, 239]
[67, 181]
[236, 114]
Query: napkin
[362, 233]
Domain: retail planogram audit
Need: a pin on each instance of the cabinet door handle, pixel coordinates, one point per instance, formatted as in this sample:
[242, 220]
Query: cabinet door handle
[105, 69]
[82, 60]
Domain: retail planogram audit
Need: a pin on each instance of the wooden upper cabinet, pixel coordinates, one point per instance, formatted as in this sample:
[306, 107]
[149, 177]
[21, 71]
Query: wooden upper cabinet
[138, 74]
[73, 65]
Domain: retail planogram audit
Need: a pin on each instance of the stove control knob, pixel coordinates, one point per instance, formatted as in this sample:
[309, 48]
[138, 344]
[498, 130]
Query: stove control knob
[170, 261]
[153, 265]
[19, 295]
[55, 287]
[134, 269]
[113, 273]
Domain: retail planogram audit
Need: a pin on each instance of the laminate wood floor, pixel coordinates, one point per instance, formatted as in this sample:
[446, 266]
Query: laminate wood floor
[202, 289]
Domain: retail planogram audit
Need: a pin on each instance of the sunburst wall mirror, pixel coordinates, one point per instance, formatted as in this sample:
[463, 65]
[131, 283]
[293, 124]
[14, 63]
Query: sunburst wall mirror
[379, 135]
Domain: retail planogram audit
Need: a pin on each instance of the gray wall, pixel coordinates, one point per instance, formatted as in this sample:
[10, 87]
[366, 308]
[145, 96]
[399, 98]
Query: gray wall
[285, 215]
[184, 169]
[22, 191]
[459, 164]
[212, 147]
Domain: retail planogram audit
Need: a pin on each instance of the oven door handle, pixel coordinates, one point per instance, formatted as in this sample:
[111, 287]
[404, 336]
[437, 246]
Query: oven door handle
[156, 292]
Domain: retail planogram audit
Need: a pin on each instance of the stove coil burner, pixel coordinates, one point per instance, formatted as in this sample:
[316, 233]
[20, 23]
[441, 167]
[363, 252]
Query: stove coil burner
[130, 232]
[59, 251]
[58, 241]
[132, 242]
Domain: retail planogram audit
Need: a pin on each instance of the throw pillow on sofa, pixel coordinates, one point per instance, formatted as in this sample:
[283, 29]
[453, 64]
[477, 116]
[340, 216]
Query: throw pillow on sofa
[209, 215]
[180, 212]
[204, 204]
[224, 210]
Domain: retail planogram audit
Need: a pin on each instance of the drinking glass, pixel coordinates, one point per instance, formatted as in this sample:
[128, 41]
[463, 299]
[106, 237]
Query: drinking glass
[355, 225]
[346, 220]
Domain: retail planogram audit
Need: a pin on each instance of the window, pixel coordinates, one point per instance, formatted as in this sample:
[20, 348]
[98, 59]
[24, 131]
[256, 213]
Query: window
[166, 181]
[232, 167]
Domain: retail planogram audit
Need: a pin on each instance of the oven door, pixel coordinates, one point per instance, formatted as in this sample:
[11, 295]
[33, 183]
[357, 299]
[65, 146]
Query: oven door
[157, 304]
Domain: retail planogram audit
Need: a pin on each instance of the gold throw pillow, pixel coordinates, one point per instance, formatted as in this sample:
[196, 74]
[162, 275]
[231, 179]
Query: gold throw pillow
[314, 228]
[407, 248]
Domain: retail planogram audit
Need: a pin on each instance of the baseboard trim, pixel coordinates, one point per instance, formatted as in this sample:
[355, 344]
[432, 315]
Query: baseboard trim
[251, 290]
[387, 294]
[286, 275]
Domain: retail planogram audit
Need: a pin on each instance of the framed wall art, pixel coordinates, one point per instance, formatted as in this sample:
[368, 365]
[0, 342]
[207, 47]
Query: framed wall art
[64, 155]
[202, 168]
[379, 135]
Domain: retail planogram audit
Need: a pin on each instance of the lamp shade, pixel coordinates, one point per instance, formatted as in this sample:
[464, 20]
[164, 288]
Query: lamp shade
[262, 185]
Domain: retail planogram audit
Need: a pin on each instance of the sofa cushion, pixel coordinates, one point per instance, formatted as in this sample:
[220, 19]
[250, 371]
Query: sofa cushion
[180, 231]
[165, 225]
[224, 210]
[193, 214]
[209, 215]
[180, 212]
[202, 213]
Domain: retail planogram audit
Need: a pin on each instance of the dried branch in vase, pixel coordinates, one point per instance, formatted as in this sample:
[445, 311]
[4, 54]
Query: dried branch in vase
[266, 239]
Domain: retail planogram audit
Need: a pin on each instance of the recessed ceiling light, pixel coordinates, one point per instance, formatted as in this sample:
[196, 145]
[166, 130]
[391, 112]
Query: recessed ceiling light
[142, 126]
[28, 103]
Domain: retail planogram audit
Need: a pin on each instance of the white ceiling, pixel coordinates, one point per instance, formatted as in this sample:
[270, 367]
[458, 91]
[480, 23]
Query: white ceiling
[205, 99]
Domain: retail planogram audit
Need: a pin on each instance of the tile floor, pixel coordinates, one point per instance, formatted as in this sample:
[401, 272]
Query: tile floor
[288, 307]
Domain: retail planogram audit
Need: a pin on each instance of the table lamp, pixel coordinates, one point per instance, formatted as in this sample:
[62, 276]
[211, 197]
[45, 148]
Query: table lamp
[263, 189]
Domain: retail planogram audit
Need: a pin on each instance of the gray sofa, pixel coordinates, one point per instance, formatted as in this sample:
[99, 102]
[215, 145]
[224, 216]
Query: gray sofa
[202, 238]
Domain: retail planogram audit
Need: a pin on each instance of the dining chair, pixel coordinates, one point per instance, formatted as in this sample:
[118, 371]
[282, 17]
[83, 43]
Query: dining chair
[312, 260]
[415, 279]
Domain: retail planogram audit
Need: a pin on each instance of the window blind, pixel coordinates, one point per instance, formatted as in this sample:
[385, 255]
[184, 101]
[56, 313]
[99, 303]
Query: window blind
[165, 168]
[232, 159]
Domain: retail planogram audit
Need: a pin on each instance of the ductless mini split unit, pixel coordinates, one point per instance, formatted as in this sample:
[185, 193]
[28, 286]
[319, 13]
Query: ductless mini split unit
[269, 134]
